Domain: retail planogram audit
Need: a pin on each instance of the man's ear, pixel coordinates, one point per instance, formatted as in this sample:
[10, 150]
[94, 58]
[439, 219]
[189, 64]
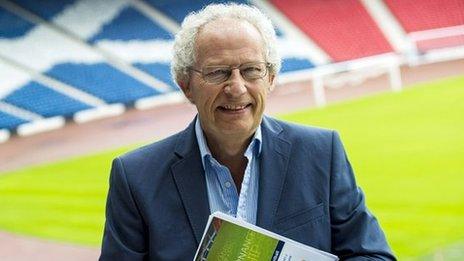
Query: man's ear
[185, 87]
[272, 81]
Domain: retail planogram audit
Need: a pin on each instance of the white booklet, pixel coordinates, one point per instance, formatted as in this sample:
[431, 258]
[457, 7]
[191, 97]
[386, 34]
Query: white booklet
[229, 238]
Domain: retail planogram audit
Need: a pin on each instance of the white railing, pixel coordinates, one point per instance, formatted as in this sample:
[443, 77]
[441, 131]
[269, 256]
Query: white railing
[4, 135]
[435, 45]
[385, 63]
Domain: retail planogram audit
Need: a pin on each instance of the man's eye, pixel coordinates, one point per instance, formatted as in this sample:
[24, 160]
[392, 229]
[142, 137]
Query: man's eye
[252, 70]
[216, 73]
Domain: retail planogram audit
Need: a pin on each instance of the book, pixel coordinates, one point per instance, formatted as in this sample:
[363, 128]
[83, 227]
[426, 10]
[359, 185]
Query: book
[229, 238]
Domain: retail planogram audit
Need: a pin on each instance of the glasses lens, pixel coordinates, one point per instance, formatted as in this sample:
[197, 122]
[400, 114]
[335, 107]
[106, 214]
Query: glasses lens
[213, 74]
[253, 71]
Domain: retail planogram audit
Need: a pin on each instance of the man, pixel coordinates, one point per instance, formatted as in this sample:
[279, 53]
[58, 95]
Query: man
[293, 180]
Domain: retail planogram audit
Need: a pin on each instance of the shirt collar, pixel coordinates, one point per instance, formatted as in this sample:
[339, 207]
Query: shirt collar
[204, 149]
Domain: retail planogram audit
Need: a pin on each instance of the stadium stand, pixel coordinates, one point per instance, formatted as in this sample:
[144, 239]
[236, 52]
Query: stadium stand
[161, 70]
[432, 24]
[45, 9]
[342, 28]
[44, 101]
[429, 14]
[91, 75]
[105, 21]
[11, 27]
[85, 69]
[102, 81]
[132, 26]
[8, 121]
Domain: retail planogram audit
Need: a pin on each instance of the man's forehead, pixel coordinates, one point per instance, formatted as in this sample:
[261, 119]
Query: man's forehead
[222, 28]
[227, 33]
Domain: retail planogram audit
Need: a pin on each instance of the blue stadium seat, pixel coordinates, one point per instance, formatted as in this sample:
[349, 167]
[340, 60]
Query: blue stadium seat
[178, 9]
[161, 71]
[44, 101]
[103, 81]
[8, 121]
[130, 24]
[295, 64]
[11, 26]
[46, 8]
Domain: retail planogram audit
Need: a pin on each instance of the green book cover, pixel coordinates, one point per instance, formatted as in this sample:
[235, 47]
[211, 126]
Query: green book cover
[238, 243]
[227, 238]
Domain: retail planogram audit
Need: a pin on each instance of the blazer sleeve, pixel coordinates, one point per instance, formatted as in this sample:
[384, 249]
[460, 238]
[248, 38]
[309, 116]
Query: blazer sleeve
[124, 237]
[356, 234]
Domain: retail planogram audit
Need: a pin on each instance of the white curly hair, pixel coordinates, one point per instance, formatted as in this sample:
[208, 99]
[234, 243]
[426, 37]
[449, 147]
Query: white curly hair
[184, 43]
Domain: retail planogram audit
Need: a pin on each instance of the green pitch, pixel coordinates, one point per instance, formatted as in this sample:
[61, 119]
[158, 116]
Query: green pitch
[407, 150]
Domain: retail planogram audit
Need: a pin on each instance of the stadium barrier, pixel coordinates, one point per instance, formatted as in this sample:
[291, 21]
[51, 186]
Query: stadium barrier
[440, 55]
[160, 100]
[99, 113]
[436, 45]
[4, 135]
[389, 63]
[42, 125]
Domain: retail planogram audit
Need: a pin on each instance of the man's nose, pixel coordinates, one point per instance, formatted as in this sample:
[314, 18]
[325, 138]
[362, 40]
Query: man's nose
[236, 84]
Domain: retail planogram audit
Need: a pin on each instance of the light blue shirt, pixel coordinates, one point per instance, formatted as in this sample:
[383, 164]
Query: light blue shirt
[222, 192]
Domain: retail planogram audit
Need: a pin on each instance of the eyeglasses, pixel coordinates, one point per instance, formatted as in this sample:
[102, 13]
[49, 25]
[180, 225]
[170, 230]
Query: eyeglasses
[215, 74]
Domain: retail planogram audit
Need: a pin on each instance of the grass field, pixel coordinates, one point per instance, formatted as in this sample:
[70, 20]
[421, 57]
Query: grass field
[407, 150]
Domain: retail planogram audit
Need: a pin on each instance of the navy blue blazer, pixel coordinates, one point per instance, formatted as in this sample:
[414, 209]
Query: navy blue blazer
[157, 205]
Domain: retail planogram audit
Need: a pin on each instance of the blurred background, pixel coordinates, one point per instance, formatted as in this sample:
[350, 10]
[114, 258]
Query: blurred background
[82, 81]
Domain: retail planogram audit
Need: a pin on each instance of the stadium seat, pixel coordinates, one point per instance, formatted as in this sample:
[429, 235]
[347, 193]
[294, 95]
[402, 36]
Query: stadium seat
[295, 64]
[102, 81]
[130, 24]
[342, 28]
[8, 121]
[44, 101]
[429, 14]
[160, 70]
[11, 26]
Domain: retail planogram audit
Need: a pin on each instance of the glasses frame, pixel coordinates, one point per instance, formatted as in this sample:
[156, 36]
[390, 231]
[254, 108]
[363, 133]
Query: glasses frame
[230, 68]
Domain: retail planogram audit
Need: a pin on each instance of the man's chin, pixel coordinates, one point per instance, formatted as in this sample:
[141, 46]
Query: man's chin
[237, 130]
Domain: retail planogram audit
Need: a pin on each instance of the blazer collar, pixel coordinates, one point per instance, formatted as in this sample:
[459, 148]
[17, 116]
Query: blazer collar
[189, 177]
[274, 163]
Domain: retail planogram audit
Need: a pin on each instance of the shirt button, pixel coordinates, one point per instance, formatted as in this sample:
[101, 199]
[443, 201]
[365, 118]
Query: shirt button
[227, 184]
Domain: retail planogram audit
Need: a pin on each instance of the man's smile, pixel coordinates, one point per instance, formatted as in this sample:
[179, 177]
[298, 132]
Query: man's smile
[234, 108]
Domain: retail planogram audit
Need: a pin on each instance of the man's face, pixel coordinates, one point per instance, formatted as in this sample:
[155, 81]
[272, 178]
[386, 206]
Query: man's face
[235, 107]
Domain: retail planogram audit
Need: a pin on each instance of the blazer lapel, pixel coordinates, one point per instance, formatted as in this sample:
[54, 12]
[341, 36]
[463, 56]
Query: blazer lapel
[274, 162]
[189, 177]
